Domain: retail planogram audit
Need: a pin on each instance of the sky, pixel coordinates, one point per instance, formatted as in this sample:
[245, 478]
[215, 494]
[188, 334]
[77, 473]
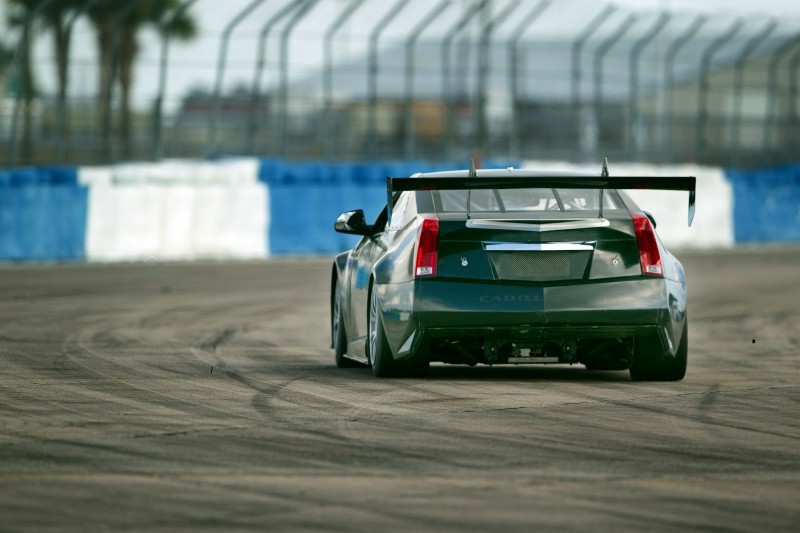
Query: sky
[194, 65]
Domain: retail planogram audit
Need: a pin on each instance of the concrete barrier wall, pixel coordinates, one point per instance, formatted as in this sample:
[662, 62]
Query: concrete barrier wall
[176, 210]
[42, 215]
[247, 208]
[766, 204]
[177, 222]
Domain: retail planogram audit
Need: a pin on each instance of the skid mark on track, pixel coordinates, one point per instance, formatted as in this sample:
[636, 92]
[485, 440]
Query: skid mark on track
[137, 376]
[221, 337]
[145, 359]
[131, 390]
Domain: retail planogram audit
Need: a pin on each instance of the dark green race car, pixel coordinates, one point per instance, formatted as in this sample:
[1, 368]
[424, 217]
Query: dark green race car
[511, 266]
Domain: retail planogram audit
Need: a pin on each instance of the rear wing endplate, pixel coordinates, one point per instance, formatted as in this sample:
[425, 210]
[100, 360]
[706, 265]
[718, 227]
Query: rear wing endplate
[474, 182]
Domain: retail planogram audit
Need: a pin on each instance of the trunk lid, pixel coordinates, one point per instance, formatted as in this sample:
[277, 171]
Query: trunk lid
[553, 250]
[528, 226]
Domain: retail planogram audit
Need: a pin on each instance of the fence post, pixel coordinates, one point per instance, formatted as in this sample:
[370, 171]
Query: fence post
[599, 55]
[794, 66]
[372, 75]
[738, 83]
[770, 133]
[669, 77]
[446, 88]
[158, 148]
[490, 24]
[283, 126]
[705, 66]
[513, 72]
[255, 89]
[410, 145]
[212, 148]
[577, 48]
[329, 140]
[634, 117]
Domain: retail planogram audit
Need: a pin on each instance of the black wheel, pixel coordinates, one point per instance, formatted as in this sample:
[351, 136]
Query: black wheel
[378, 351]
[651, 364]
[338, 333]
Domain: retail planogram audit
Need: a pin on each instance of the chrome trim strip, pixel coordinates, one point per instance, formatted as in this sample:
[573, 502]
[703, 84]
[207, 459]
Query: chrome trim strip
[553, 226]
[537, 247]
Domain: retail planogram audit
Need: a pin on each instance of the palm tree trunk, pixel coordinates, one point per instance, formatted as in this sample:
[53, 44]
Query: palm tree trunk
[105, 42]
[61, 43]
[27, 88]
[128, 51]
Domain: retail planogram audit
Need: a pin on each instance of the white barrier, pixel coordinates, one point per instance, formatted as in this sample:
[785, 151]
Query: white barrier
[176, 211]
[713, 223]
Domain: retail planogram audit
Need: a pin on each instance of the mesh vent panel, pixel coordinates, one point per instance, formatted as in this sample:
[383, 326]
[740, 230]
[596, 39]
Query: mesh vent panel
[539, 266]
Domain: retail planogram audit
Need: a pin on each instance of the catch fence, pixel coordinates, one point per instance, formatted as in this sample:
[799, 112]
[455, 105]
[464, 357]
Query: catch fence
[341, 80]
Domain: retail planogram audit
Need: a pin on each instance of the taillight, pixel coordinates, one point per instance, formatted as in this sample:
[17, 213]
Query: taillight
[649, 255]
[427, 248]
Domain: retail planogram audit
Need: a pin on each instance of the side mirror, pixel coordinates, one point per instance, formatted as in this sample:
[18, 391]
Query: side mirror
[652, 218]
[352, 222]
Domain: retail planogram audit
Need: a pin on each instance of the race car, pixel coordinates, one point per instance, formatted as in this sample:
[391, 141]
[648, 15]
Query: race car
[511, 266]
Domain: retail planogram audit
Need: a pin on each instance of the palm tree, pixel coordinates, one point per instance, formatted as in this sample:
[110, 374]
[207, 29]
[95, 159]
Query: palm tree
[53, 15]
[118, 45]
[20, 16]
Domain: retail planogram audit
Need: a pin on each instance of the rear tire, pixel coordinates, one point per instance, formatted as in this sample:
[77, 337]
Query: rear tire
[651, 364]
[379, 353]
[338, 332]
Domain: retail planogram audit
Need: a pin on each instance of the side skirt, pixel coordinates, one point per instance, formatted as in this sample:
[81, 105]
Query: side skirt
[362, 360]
[356, 351]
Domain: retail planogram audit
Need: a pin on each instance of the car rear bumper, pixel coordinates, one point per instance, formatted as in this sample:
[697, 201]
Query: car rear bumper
[449, 309]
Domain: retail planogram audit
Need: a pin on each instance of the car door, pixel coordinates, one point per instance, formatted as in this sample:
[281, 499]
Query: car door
[369, 250]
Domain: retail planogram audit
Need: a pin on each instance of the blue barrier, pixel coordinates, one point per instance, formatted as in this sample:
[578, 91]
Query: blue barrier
[301, 218]
[39, 176]
[766, 204]
[306, 198]
[42, 222]
[42, 214]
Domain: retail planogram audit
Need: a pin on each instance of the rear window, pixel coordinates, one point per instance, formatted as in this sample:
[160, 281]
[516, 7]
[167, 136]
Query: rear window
[585, 201]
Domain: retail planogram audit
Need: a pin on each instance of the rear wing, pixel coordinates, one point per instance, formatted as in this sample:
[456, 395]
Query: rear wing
[475, 182]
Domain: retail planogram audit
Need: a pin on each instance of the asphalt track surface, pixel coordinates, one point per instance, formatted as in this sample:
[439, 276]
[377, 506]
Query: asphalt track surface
[204, 397]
